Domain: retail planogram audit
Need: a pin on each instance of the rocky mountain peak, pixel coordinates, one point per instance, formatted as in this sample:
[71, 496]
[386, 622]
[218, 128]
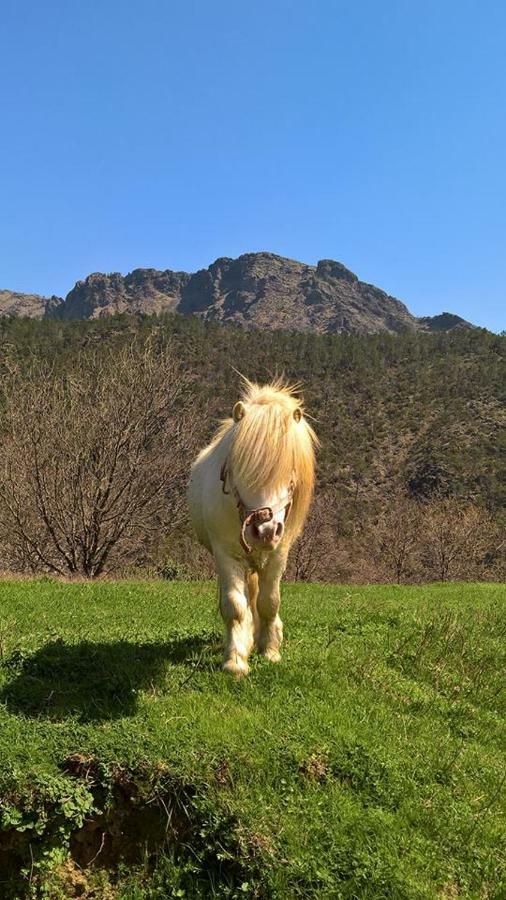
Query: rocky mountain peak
[329, 268]
[254, 290]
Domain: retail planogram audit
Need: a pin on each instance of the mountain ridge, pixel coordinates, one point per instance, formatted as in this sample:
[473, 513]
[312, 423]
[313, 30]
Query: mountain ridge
[259, 290]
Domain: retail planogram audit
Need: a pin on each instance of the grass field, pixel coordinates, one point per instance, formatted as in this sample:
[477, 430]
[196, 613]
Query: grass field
[370, 763]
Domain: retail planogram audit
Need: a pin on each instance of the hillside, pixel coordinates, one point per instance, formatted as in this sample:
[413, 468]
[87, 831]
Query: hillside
[256, 290]
[422, 414]
[369, 763]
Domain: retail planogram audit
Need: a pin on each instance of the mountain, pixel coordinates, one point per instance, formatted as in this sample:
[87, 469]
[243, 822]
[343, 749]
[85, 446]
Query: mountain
[12, 303]
[259, 290]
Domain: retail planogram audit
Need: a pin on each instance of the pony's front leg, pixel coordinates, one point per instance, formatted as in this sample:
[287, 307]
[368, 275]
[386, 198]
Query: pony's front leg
[237, 616]
[269, 634]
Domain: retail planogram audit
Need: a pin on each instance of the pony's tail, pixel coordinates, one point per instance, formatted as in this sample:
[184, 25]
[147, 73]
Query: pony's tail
[252, 598]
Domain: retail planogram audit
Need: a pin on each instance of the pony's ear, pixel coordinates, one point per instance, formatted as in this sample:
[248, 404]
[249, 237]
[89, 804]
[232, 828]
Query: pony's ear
[297, 414]
[238, 411]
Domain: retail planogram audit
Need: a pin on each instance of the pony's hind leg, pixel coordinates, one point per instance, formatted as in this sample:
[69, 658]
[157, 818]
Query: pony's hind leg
[238, 620]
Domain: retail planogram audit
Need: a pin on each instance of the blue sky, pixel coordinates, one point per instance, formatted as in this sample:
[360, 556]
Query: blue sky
[166, 134]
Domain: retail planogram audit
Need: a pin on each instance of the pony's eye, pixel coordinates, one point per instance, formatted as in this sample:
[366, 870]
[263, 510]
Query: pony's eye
[297, 414]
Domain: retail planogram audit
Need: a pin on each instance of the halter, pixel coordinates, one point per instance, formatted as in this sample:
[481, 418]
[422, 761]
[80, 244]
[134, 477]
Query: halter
[258, 516]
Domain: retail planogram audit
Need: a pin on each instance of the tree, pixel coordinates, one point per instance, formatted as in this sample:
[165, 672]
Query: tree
[457, 540]
[396, 536]
[314, 555]
[94, 459]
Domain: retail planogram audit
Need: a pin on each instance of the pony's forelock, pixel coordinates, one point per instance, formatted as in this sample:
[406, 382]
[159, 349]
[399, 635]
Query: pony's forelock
[269, 448]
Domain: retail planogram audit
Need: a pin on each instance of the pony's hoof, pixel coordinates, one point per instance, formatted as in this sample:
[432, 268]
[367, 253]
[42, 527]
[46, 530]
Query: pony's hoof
[236, 667]
[272, 655]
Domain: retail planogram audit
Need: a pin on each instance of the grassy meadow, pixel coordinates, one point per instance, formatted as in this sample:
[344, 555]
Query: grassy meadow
[370, 763]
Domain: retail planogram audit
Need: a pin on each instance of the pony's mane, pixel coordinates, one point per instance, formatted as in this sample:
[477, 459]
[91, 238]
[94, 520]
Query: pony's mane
[270, 448]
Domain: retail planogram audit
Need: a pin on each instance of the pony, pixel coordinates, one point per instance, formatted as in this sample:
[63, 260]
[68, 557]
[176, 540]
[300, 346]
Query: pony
[248, 497]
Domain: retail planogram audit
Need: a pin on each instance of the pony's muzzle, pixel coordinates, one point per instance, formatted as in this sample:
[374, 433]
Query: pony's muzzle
[267, 534]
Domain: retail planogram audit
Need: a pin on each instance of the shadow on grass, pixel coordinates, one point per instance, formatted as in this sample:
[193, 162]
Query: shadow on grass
[97, 681]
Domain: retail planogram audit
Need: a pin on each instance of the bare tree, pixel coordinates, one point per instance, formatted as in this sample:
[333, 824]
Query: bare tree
[93, 459]
[396, 536]
[458, 540]
[314, 554]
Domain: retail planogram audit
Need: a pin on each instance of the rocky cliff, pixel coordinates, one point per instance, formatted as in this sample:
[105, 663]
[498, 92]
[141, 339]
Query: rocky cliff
[259, 290]
[12, 303]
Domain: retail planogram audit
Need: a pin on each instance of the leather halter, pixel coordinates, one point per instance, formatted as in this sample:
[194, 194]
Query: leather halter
[257, 516]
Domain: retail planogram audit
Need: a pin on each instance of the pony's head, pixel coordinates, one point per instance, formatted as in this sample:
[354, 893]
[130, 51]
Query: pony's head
[270, 463]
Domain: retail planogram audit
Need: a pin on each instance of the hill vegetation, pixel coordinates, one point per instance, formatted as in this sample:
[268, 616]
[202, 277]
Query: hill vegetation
[412, 431]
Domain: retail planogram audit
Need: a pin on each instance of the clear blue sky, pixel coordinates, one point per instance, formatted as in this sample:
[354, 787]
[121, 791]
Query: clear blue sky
[165, 134]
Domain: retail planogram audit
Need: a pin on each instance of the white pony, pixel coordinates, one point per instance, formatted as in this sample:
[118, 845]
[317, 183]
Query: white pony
[248, 495]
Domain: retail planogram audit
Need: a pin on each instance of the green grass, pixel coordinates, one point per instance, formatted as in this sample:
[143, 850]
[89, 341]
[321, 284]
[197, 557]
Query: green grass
[370, 763]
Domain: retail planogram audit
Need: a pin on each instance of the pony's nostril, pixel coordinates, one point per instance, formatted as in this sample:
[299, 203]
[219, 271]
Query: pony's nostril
[279, 529]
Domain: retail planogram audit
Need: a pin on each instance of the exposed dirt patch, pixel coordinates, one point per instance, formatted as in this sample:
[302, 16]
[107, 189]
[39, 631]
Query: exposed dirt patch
[137, 815]
[135, 818]
[74, 882]
[223, 775]
[316, 767]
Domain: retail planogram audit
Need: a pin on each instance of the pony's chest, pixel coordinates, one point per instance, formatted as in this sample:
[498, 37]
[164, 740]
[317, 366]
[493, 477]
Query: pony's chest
[257, 560]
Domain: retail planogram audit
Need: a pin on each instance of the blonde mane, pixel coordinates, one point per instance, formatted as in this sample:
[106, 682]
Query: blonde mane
[270, 447]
